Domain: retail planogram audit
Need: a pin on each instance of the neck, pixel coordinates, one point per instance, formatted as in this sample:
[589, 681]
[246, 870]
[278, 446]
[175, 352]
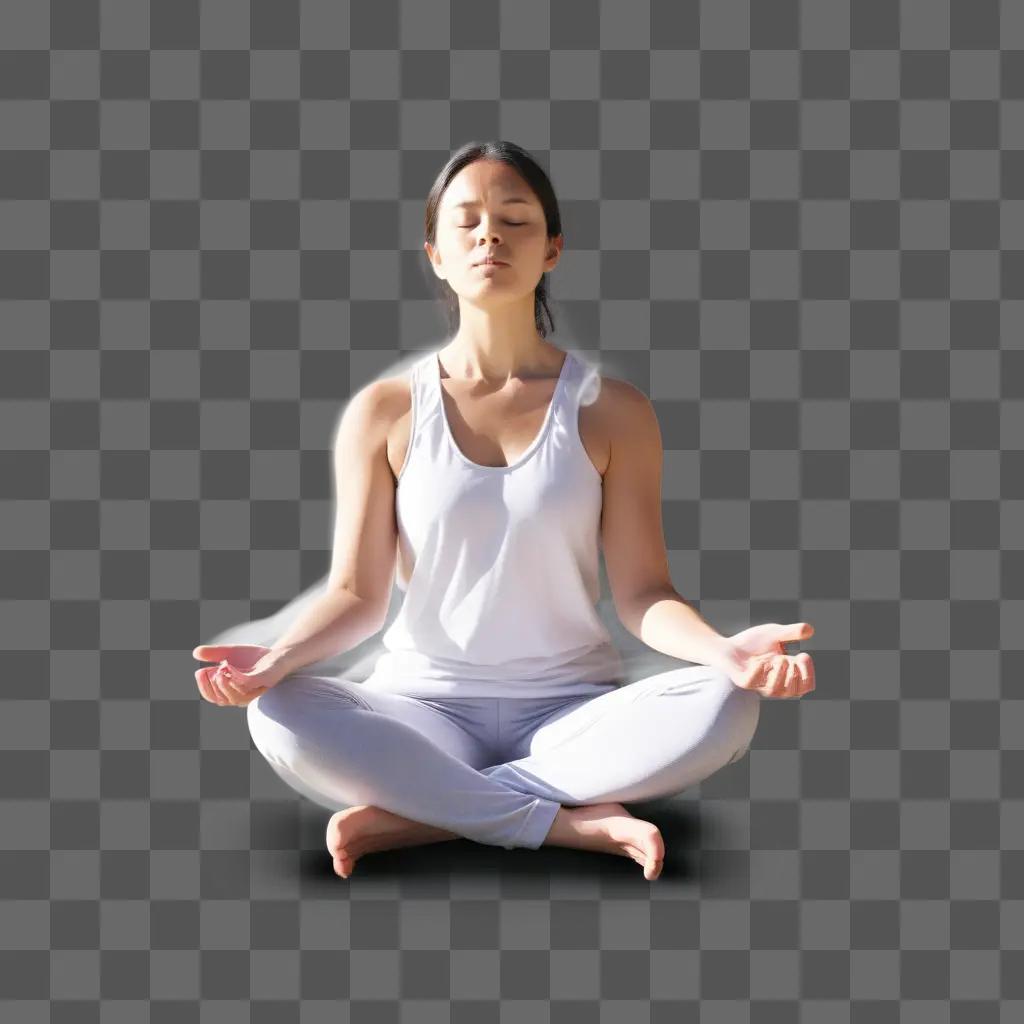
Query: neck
[496, 344]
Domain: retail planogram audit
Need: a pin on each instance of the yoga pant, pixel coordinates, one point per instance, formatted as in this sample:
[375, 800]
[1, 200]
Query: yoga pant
[497, 769]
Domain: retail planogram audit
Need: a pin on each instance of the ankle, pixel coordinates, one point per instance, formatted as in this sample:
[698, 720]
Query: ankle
[567, 827]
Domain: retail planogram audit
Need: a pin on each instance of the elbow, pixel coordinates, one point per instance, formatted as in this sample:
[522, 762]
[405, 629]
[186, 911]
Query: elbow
[375, 617]
[371, 612]
[631, 611]
[380, 614]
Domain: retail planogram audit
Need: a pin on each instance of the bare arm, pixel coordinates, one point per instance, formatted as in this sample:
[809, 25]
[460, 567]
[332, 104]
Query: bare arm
[633, 540]
[337, 621]
[355, 602]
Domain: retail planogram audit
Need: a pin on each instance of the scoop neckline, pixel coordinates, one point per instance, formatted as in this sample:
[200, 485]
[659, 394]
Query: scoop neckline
[534, 444]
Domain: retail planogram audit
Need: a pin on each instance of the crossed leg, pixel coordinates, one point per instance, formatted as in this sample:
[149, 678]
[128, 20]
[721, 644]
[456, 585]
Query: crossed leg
[344, 745]
[380, 751]
[655, 737]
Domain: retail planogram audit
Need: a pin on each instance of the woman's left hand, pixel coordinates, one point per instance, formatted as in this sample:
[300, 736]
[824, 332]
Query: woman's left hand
[758, 662]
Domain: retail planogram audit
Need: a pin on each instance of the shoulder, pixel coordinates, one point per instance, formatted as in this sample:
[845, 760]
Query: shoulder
[378, 405]
[626, 398]
[619, 406]
[633, 424]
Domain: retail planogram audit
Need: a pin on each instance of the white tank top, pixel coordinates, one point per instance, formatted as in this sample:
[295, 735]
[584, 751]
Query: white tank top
[498, 564]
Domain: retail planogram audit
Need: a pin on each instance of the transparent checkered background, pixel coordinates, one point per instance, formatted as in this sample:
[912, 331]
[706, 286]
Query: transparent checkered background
[799, 227]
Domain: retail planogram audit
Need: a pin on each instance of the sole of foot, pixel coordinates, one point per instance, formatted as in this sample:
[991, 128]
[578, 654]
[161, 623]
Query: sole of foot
[353, 831]
[611, 828]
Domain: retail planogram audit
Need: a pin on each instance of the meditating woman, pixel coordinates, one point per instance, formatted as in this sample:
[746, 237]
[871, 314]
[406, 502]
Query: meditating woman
[482, 483]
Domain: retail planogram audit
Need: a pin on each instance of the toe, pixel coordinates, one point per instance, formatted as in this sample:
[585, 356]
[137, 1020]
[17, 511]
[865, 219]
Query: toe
[654, 850]
[655, 845]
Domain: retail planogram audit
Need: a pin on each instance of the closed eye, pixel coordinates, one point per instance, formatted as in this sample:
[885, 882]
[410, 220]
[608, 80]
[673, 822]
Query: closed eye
[511, 223]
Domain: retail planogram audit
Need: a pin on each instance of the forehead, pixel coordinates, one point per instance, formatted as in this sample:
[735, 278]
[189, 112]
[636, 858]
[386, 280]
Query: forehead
[486, 181]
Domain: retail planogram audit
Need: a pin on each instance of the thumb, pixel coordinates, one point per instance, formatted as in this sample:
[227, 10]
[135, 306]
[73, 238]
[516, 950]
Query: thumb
[220, 652]
[793, 631]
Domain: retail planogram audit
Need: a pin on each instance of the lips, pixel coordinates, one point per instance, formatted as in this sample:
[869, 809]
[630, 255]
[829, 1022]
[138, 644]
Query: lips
[489, 261]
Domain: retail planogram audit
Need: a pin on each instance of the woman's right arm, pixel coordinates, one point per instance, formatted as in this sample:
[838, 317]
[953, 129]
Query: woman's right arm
[355, 602]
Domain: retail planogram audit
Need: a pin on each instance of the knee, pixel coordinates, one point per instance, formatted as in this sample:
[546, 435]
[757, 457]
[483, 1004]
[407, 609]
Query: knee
[260, 718]
[289, 714]
[254, 710]
[269, 705]
[736, 711]
[747, 712]
[299, 695]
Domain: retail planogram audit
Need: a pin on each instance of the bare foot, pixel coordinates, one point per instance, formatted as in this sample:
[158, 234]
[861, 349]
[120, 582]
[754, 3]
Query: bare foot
[611, 828]
[366, 829]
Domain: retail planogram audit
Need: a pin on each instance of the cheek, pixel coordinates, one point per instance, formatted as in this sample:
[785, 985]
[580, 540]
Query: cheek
[452, 255]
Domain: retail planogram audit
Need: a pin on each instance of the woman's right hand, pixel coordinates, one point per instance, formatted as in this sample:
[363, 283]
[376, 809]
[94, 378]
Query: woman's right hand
[243, 672]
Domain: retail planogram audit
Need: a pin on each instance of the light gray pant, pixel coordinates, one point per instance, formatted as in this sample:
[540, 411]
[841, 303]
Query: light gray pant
[496, 769]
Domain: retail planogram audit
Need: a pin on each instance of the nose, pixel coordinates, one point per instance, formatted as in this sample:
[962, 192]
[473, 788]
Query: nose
[487, 234]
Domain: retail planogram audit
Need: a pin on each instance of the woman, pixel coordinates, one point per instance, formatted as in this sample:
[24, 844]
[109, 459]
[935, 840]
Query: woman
[481, 482]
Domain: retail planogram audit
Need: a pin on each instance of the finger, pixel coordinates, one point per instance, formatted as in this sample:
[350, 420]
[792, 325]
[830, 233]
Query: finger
[782, 678]
[754, 674]
[219, 684]
[757, 674]
[792, 679]
[803, 678]
[205, 688]
[771, 675]
[242, 687]
[209, 688]
[806, 666]
[235, 682]
[796, 678]
[238, 696]
[227, 679]
[216, 689]
[778, 677]
[789, 679]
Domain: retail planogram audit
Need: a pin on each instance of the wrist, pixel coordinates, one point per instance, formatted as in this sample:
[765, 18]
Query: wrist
[280, 659]
[726, 657]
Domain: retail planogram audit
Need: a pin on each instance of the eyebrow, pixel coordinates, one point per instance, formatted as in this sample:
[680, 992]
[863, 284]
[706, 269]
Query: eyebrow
[473, 202]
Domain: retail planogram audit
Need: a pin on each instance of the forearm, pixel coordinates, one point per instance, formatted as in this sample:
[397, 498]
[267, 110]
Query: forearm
[665, 622]
[337, 621]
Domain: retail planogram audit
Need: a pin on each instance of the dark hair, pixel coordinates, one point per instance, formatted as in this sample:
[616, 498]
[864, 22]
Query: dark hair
[535, 177]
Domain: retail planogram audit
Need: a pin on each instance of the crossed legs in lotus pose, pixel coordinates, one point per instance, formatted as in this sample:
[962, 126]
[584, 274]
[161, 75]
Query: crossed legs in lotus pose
[410, 770]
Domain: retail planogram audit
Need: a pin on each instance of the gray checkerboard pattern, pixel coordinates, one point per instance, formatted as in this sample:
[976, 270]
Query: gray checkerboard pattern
[798, 226]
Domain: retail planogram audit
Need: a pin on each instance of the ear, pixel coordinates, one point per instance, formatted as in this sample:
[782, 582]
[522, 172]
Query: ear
[435, 259]
[554, 252]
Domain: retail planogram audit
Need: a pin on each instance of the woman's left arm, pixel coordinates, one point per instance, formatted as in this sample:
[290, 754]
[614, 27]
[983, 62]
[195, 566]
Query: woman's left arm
[648, 605]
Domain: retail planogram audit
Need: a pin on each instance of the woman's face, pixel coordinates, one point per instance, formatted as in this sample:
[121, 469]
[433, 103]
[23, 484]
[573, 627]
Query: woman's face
[488, 209]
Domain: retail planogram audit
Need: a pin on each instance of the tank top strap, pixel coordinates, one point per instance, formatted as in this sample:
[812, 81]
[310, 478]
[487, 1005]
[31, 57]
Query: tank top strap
[576, 379]
[416, 379]
[424, 378]
[421, 396]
